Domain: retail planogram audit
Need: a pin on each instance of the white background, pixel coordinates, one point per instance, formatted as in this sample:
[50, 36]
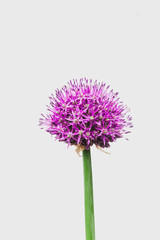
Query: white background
[43, 44]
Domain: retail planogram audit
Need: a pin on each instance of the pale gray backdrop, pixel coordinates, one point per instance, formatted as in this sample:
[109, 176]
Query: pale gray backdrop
[43, 44]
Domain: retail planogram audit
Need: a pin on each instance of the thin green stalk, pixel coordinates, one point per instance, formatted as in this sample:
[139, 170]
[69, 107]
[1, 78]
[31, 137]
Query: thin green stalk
[88, 195]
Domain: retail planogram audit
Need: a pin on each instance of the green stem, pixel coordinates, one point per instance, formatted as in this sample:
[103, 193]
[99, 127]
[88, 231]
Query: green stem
[88, 195]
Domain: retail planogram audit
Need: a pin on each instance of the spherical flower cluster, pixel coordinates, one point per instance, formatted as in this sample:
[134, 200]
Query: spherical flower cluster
[86, 113]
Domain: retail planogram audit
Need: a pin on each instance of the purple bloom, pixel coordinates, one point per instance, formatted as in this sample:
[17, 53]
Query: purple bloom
[86, 113]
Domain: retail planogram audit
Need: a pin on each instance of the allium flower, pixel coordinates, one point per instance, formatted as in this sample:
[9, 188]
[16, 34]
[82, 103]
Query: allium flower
[84, 113]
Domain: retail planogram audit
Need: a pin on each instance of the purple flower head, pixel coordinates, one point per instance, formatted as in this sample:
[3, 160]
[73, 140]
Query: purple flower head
[84, 113]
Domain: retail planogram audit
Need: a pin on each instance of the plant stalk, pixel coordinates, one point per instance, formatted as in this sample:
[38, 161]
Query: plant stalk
[88, 195]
